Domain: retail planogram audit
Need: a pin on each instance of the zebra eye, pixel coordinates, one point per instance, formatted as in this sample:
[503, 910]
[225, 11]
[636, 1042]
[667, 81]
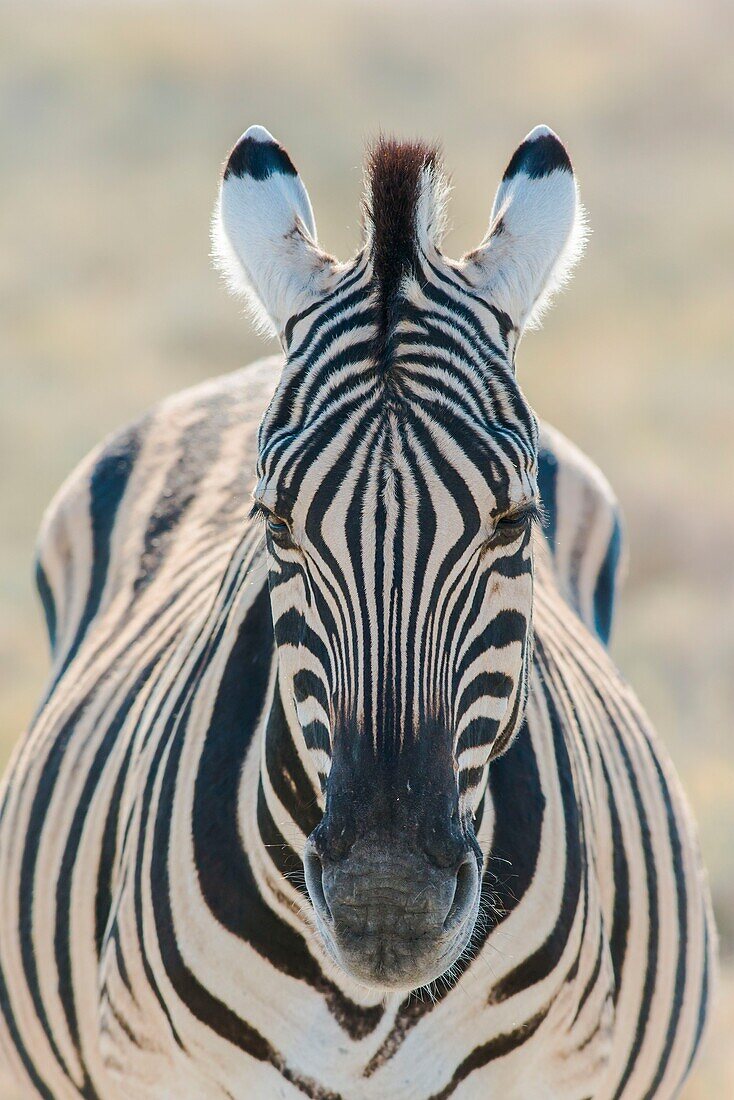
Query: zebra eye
[278, 527]
[511, 526]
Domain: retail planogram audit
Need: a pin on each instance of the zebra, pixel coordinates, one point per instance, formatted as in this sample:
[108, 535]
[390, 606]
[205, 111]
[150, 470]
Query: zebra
[335, 790]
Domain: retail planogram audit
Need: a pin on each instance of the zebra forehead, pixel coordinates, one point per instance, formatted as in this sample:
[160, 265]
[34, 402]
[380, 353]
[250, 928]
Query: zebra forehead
[396, 454]
[412, 414]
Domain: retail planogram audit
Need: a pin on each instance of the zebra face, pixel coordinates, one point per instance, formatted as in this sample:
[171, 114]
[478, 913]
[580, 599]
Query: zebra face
[397, 484]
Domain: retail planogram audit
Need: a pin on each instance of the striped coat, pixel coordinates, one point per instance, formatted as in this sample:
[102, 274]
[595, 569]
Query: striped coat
[156, 935]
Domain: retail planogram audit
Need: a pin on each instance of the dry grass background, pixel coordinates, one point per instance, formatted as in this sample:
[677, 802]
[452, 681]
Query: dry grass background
[113, 121]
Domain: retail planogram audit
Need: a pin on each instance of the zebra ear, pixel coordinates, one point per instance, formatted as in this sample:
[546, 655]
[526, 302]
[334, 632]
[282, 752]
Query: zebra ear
[536, 232]
[264, 234]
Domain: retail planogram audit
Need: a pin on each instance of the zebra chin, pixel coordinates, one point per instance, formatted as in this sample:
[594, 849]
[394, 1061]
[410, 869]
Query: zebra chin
[393, 920]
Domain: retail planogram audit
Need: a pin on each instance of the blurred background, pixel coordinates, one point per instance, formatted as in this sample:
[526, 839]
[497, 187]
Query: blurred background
[114, 119]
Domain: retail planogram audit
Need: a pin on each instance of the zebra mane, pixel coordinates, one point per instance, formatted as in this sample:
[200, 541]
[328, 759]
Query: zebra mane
[403, 206]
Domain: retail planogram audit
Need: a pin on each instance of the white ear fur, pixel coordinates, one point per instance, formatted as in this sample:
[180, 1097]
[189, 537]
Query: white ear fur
[536, 232]
[264, 234]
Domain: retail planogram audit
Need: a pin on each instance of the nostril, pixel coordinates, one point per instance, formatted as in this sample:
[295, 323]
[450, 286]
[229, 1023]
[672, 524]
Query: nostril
[314, 873]
[464, 891]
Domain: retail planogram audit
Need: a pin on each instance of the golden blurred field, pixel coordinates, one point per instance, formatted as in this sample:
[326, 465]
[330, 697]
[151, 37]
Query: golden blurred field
[114, 119]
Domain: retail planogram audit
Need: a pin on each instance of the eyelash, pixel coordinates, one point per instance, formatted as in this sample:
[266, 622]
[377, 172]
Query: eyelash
[512, 525]
[278, 528]
[530, 512]
[259, 512]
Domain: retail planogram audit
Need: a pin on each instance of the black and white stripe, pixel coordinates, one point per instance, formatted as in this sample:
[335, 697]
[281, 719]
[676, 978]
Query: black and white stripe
[228, 681]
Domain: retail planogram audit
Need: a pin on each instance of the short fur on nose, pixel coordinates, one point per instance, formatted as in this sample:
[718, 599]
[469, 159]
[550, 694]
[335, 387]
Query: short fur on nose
[391, 915]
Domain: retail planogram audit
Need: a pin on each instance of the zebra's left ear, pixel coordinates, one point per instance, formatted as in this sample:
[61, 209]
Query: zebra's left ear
[264, 233]
[536, 232]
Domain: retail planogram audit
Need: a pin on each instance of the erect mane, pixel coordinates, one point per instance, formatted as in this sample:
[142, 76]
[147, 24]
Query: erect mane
[403, 212]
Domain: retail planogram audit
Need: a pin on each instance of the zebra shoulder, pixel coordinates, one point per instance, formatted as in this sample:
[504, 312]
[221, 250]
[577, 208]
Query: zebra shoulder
[73, 546]
[115, 519]
[583, 526]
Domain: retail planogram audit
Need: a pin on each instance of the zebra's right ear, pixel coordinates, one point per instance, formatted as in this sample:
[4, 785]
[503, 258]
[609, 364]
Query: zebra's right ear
[264, 234]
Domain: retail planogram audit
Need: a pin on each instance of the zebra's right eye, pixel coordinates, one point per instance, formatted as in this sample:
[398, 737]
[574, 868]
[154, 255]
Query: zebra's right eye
[279, 530]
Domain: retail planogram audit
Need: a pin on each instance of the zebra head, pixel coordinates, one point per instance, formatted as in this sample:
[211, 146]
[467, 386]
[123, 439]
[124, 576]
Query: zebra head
[397, 481]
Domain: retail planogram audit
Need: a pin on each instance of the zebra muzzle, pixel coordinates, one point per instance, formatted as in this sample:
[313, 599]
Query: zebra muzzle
[389, 915]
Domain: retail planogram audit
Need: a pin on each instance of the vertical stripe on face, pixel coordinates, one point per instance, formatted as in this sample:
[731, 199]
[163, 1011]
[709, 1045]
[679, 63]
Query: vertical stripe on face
[400, 612]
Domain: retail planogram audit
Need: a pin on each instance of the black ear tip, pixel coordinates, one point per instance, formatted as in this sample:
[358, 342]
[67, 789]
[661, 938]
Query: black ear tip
[540, 154]
[257, 154]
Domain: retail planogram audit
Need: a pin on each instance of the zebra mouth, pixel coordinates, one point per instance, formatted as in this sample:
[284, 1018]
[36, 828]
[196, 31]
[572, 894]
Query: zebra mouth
[393, 922]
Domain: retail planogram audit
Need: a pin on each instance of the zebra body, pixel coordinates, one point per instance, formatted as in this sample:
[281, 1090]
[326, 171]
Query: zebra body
[157, 938]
